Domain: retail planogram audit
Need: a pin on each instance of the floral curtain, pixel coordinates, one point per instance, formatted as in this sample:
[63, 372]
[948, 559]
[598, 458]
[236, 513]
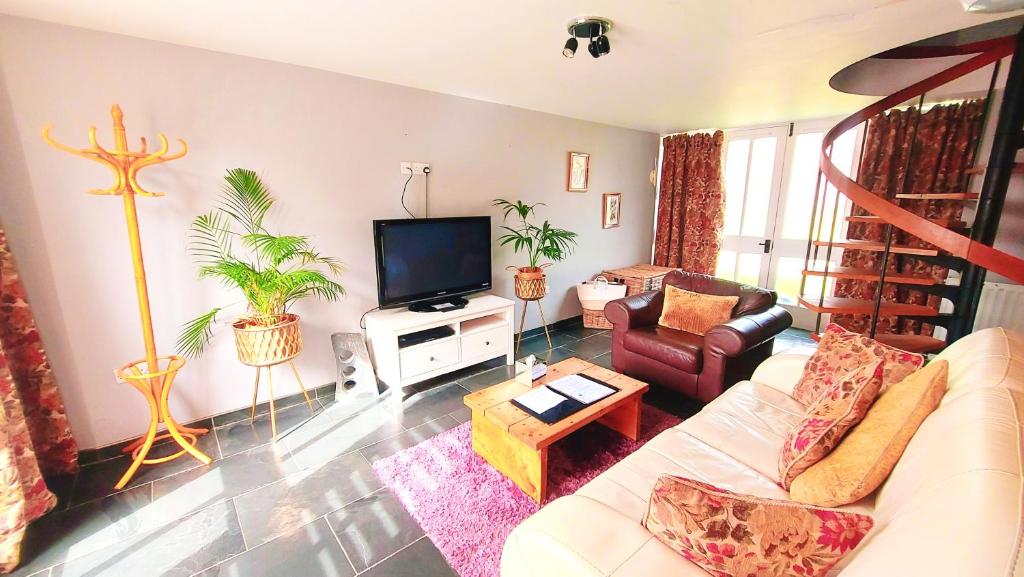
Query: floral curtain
[946, 138]
[35, 438]
[690, 203]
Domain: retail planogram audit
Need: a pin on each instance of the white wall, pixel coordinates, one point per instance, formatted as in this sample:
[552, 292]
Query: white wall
[328, 145]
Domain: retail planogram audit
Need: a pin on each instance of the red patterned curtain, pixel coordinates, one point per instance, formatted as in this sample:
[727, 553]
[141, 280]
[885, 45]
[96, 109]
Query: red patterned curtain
[690, 203]
[35, 438]
[946, 138]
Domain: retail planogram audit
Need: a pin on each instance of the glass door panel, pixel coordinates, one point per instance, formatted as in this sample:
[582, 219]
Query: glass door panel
[753, 175]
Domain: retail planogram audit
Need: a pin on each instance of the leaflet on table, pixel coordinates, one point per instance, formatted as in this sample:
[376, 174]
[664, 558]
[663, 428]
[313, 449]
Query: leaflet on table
[540, 399]
[581, 388]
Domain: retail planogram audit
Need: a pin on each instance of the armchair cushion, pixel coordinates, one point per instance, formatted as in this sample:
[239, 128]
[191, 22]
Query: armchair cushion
[678, 349]
[694, 312]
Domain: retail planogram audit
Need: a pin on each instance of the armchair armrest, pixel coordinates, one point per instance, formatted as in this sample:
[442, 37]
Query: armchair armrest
[638, 310]
[743, 333]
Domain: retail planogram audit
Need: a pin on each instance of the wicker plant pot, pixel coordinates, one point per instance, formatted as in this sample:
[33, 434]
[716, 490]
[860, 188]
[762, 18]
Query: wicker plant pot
[263, 346]
[531, 283]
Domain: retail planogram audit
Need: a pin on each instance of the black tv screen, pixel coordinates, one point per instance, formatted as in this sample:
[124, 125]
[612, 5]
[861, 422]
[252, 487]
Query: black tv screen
[431, 258]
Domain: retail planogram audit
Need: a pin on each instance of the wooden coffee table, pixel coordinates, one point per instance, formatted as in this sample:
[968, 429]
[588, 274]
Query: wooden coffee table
[516, 443]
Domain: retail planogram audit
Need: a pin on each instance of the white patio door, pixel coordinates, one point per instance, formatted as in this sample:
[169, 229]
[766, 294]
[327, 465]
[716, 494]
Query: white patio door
[770, 175]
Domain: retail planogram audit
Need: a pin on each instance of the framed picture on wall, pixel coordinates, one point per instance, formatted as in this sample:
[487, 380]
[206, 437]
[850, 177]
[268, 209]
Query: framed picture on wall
[612, 209]
[579, 171]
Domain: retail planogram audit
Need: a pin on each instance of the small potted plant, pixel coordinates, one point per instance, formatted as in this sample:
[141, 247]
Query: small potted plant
[544, 241]
[274, 272]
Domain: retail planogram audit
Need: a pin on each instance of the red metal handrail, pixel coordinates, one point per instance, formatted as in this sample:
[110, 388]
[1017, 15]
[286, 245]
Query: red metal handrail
[958, 245]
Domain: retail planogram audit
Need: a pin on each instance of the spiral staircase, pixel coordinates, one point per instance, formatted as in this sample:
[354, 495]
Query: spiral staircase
[963, 247]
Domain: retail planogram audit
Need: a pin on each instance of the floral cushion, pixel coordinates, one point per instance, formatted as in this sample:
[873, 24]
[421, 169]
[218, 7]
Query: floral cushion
[841, 351]
[732, 535]
[828, 419]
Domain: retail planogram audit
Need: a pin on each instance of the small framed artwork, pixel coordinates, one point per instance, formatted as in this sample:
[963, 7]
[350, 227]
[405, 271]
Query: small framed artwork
[612, 209]
[579, 171]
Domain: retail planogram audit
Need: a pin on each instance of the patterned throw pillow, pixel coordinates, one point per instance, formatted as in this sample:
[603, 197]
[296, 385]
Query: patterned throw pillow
[828, 419]
[695, 312]
[731, 535]
[841, 351]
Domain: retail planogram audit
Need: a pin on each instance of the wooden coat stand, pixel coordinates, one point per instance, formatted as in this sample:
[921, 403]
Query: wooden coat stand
[153, 375]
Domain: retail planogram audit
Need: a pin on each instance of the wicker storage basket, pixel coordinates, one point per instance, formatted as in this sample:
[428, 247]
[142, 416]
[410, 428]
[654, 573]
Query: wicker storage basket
[594, 319]
[639, 278]
[263, 346]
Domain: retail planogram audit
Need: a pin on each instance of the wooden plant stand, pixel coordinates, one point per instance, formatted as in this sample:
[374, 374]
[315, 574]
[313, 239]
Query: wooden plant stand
[270, 390]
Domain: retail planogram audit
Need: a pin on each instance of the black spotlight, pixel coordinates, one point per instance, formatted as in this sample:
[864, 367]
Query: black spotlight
[599, 46]
[570, 47]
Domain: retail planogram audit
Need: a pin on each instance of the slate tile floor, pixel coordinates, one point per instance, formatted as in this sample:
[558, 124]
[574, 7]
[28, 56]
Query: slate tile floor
[308, 505]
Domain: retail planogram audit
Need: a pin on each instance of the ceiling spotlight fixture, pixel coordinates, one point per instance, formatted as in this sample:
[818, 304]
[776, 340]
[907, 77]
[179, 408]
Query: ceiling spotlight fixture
[596, 29]
[570, 47]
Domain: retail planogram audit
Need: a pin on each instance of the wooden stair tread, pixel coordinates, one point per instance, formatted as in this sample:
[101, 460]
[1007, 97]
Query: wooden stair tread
[879, 247]
[1018, 167]
[872, 219]
[941, 196]
[866, 274]
[864, 306]
[910, 343]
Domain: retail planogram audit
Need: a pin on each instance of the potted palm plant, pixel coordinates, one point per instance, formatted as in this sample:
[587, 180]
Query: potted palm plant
[273, 272]
[544, 241]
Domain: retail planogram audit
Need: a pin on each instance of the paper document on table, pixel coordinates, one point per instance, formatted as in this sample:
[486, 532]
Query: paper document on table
[540, 399]
[581, 388]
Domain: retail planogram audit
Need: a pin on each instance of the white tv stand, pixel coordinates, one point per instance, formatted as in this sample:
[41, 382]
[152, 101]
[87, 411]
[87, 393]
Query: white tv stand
[482, 331]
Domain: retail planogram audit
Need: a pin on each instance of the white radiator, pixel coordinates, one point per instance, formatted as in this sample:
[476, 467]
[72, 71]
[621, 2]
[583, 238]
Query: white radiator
[1002, 305]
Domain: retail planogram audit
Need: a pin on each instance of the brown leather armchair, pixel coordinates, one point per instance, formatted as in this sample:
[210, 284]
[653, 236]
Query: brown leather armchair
[700, 367]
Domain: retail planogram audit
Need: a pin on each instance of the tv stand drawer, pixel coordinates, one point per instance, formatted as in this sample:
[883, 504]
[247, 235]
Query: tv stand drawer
[485, 344]
[428, 357]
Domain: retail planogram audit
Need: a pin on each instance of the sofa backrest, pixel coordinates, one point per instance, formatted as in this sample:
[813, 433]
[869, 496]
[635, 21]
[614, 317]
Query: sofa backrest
[953, 504]
[752, 299]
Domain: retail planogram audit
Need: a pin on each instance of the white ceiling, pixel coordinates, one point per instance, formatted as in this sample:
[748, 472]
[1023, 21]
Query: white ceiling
[675, 64]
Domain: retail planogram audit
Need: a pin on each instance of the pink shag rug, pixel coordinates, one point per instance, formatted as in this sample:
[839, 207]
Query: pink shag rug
[468, 509]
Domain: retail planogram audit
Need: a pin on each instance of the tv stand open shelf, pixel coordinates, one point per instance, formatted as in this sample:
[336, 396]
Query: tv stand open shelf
[482, 331]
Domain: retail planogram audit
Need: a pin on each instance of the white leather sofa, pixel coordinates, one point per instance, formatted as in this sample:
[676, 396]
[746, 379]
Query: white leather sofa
[951, 507]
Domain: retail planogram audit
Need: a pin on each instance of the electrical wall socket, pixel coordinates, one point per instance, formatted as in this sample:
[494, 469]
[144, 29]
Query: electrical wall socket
[415, 167]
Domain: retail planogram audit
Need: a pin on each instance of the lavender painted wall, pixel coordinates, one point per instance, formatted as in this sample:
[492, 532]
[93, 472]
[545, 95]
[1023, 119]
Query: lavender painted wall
[329, 146]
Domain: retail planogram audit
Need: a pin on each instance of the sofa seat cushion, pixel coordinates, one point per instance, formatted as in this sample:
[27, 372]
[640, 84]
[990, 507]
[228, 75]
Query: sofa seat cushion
[749, 422]
[626, 486]
[678, 349]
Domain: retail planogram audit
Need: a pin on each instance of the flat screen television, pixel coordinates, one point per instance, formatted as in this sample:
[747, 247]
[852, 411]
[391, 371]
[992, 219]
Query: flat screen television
[429, 263]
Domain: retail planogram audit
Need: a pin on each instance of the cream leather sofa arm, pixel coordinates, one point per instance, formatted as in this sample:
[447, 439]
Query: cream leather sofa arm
[576, 536]
[782, 371]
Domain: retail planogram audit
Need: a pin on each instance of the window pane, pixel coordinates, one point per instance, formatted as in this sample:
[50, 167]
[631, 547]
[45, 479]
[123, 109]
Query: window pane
[803, 176]
[759, 186]
[788, 273]
[726, 267]
[749, 269]
[736, 155]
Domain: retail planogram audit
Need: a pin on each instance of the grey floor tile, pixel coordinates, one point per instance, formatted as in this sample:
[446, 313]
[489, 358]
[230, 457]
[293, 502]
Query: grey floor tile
[410, 438]
[604, 360]
[534, 346]
[488, 378]
[97, 480]
[421, 559]
[198, 488]
[336, 431]
[242, 436]
[373, 528]
[432, 404]
[64, 535]
[463, 415]
[43, 573]
[301, 497]
[308, 551]
[183, 547]
[553, 356]
[591, 347]
[582, 332]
